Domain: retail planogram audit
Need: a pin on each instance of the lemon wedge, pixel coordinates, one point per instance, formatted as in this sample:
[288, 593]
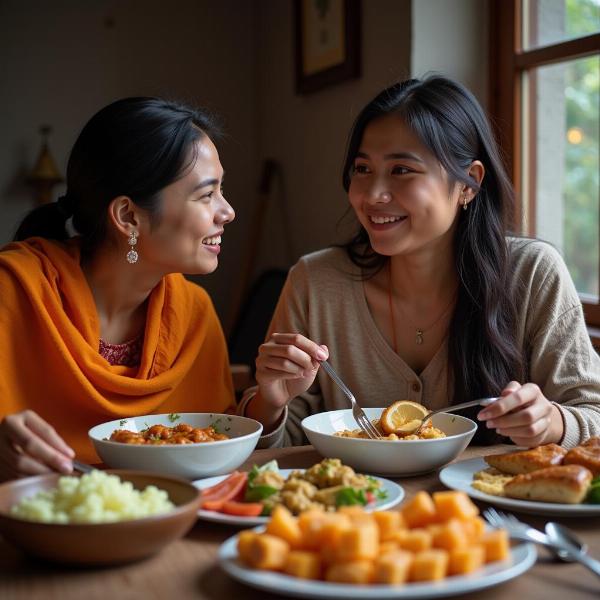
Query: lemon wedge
[402, 417]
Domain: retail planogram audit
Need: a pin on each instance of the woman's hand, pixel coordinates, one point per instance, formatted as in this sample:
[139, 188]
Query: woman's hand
[524, 415]
[286, 366]
[30, 446]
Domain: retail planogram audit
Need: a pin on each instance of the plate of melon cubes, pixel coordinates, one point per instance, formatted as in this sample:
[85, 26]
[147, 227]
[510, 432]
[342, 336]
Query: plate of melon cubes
[433, 546]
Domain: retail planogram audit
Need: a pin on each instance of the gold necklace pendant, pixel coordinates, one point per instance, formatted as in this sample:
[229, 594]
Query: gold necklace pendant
[419, 338]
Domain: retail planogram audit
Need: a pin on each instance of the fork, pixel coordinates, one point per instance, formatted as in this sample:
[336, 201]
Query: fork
[357, 412]
[521, 531]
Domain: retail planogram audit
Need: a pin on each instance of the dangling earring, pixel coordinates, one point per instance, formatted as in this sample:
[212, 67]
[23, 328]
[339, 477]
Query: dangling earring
[132, 255]
[465, 203]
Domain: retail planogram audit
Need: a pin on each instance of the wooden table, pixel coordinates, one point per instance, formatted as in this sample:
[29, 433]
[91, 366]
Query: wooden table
[188, 569]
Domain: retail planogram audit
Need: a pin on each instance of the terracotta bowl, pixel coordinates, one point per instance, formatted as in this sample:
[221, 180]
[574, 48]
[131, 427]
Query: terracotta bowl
[99, 544]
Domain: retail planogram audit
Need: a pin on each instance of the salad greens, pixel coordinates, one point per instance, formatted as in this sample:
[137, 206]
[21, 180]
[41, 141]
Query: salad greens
[259, 492]
[593, 495]
[349, 496]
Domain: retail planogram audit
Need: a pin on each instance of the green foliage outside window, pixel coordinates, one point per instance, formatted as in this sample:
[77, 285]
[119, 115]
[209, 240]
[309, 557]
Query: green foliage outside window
[581, 187]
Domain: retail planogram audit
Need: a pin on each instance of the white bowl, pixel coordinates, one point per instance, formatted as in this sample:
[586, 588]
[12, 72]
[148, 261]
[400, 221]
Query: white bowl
[191, 461]
[386, 457]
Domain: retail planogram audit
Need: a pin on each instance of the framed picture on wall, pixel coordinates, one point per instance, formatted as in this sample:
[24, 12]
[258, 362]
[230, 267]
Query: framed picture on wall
[327, 43]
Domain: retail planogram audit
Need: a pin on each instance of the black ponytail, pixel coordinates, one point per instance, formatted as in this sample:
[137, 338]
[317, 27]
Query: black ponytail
[47, 221]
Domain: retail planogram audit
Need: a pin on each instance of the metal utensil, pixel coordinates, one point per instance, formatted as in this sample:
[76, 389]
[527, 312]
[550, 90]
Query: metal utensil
[562, 542]
[81, 466]
[570, 546]
[455, 407]
[357, 412]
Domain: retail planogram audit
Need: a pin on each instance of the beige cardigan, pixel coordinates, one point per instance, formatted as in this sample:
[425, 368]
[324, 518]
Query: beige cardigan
[323, 299]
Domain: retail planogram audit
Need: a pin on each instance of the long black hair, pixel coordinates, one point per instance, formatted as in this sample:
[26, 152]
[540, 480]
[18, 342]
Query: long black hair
[483, 353]
[133, 147]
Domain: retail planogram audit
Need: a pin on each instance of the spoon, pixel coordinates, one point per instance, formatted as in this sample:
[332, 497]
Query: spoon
[553, 531]
[447, 409]
[572, 546]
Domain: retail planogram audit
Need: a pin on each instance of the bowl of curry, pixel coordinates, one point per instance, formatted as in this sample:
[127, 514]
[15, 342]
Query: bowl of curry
[190, 445]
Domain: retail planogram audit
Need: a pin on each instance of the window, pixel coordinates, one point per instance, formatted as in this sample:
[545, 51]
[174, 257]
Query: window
[545, 74]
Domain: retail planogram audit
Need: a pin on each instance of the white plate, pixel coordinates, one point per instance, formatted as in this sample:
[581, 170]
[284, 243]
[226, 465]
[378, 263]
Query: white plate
[459, 476]
[395, 494]
[522, 557]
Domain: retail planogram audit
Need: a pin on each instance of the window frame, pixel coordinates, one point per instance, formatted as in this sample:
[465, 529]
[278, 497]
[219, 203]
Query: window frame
[508, 62]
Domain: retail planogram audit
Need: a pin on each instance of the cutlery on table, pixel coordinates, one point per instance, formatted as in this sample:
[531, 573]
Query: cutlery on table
[357, 412]
[81, 466]
[567, 543]
[455, 407]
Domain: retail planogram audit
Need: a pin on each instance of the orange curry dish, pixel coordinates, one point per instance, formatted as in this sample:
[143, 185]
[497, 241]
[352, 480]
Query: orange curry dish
[158, 435]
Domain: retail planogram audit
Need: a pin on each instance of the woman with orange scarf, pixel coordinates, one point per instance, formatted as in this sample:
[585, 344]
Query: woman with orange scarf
[103, 325]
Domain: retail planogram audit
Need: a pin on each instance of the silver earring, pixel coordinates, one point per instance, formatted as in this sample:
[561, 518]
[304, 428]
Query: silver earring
[465, 203]
[132, 255]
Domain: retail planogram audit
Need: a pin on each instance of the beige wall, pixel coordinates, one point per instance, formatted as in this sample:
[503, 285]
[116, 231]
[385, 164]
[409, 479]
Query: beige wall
[59, 63]
[451, 37]
[307, 134]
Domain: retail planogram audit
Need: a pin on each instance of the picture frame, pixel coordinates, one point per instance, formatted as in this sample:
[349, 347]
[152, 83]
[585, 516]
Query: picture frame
[327, 43]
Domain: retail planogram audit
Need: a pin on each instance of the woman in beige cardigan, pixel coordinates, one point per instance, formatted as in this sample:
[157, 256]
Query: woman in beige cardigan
[431, 301]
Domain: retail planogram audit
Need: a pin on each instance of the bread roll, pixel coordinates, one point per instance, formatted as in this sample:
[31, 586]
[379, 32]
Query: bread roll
[527, 461]
[566, 484]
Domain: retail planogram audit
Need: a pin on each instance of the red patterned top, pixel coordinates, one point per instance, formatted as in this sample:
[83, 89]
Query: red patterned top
[127, 354]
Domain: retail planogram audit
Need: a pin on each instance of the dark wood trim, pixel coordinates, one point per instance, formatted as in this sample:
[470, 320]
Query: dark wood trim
[508, 66]
[547, 55]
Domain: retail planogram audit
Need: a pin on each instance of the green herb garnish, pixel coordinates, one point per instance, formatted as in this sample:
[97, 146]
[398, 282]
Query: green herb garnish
[257, 493]
[350, 496]
[216, 425]
[122, 422]
[173, 417]
[374, 488]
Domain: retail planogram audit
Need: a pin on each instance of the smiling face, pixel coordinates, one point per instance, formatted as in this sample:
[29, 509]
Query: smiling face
[187, 237]
[400, 192]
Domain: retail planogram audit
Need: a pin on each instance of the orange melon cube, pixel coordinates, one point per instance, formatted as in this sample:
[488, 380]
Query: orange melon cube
[356, 571]
[474, 528]
[465, 560]
[285, 526]
[496, 545]
[450, 536]
[311, 523]
[454, 505]
[392, 568]
[244, 545]
[352, 511]
[414, 540]
[358, 543]
[267, 552]
[302, 564]
[389, 522]
[430, 565]
[388, 546]
[419, 511]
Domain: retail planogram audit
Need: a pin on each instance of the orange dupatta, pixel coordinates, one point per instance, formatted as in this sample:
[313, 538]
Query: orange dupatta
[49, 347]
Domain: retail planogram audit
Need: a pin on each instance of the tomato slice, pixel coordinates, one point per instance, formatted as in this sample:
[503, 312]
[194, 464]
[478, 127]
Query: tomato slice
[220, 487]
[215, 497]
[242, 509]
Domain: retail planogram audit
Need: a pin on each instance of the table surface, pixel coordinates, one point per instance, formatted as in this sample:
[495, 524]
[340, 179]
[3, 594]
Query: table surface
[188, 568]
